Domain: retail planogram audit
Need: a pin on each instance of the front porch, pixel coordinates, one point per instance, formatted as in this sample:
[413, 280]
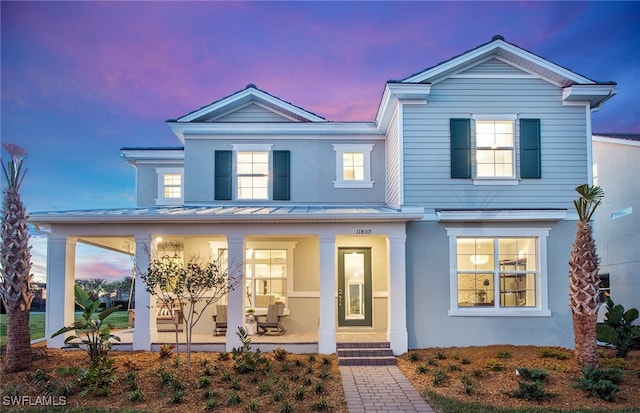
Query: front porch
[292, 342]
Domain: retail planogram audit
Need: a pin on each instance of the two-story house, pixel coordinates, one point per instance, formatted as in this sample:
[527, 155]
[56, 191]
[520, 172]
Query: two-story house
[447, 220]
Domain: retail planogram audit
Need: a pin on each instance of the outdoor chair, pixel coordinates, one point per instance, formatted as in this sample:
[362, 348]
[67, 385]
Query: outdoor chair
[220, 320]
[273, 320]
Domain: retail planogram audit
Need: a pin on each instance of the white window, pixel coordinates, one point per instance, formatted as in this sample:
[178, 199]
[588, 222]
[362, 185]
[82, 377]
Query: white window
[170, 186]
[252, 171]
[498, 271]
[268, 269]
[353, 165]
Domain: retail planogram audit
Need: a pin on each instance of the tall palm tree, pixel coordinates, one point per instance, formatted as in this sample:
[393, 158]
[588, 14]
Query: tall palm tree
[584, 283]
[15, 260]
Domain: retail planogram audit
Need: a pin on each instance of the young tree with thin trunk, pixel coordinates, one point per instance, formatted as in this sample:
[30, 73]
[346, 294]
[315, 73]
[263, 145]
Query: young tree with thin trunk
[15, 260]
[584, 282]
[191, 288]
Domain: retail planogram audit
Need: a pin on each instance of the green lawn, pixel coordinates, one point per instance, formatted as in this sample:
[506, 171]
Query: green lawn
[119, 319]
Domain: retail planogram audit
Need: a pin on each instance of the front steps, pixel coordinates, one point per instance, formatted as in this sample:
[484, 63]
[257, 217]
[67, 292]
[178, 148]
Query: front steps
[365, 354]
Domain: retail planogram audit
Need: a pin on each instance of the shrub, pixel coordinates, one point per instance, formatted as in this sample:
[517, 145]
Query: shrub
[439, 377]
[166, 350]
[621, 322]
[279, 354]
[467, 383]
[319, 388]
[90, 331]
[504, 355]
[299, 395]
[465, 361]
[531, 391]
[245, 359]
[286, 407]
[549, 352]
[234, 399]
[599, 382]
[211, 403]
[223, 356]
[204, 382]
[615, 363]
[532, 374]
[422, 369]
[413, 356]
[136, 395]
[321, 405]
[253, 405]
[441, 356]
[100, 376]
[495, 365]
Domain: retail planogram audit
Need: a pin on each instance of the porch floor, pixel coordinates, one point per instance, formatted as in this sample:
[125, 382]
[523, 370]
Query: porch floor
[306, 342]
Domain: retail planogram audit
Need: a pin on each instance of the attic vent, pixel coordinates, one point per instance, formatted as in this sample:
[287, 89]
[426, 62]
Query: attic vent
[497, 37]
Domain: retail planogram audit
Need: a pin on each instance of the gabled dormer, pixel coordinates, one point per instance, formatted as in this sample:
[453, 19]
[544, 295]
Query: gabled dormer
[240, 110]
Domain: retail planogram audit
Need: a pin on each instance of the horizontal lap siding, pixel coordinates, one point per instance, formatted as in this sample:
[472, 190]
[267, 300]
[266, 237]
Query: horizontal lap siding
[393, 163]
[426, 154]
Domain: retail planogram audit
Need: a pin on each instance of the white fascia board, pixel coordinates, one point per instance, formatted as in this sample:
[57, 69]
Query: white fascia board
[502, 215]
[596, 95]
[259, 95]
[618, 141]
[135, 156]
[493, 47]
[416, 93]
[285, 131]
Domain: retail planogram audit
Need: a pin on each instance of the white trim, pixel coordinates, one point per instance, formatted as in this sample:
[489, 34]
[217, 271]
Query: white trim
[160, 173]
[289, 246]
[515, 135]
[251, 147]
[401, 155]
[501, 215]
[509, 116]
[496, 181]
[542, 286]
[615, 140]
[366, 150]
[589, 145]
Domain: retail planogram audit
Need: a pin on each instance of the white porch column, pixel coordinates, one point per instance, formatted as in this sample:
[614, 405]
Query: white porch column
[235, 304]
[61, 266]
[397, 331]
[327, 330]
[145, 330]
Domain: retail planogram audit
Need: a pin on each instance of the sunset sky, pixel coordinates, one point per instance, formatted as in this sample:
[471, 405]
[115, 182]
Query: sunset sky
[80, 80]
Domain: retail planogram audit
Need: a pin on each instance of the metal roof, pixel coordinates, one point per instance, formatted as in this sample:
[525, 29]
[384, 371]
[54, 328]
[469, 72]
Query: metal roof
[230, 213]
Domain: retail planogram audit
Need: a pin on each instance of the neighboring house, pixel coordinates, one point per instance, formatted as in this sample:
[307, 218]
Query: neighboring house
[446, 221]
[616, 168]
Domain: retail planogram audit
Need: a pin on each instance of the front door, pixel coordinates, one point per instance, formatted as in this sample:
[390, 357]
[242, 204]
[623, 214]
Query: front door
[354, 287]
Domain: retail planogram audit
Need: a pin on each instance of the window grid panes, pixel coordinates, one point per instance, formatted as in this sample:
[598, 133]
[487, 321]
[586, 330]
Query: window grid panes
[496, 267]
[353, 166]
[494, 149]
[266, 281]
[172, 184]
[253, 175]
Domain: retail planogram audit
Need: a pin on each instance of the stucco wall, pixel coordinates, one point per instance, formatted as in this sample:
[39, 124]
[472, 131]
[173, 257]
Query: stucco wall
[428, 322]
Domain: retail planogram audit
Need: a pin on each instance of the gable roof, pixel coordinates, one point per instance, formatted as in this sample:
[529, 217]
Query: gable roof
[509, 52]
[249, 95]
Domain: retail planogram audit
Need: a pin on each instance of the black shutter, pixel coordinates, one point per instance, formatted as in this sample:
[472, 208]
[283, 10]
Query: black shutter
[281, 175]
[223, 175]
[530, 163]
[460, 148]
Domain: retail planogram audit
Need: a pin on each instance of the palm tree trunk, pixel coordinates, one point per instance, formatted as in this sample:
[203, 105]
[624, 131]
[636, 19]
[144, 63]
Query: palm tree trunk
[18, 341]
[584, 331]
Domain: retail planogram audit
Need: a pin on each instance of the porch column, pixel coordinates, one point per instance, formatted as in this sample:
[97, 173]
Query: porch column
[397, 331]
[61, 261]
[327, 330]
[145, 330]
[235, 304]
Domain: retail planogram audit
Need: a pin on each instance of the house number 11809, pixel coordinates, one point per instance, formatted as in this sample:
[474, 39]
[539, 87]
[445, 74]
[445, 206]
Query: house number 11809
[363, 231]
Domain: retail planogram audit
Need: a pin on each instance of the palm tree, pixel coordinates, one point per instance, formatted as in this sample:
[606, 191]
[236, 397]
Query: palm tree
[15, 271]
[584, 283]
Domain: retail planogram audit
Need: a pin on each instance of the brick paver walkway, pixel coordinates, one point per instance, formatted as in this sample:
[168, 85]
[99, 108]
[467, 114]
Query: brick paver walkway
[380, 389]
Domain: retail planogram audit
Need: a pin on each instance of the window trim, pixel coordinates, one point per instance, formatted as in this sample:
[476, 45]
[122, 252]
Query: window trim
[252, 148]
[276, 245]
[160, 199]
[542, 283]
[366, 150]
[498, 180]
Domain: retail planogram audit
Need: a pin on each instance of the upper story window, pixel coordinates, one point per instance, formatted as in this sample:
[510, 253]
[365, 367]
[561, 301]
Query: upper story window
[353, 165]
[494, 149]
[253, 175]
[252, 172]
[170, 186]
[485, 148]
[498, 271]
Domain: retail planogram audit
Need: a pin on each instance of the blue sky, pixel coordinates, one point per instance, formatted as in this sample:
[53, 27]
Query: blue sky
[80, 80]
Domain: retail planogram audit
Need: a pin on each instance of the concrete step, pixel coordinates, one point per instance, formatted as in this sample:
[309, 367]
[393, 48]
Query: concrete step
[365, 354]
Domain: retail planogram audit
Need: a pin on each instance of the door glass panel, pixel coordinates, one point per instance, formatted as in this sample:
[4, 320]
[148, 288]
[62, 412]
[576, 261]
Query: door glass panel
[354, 279]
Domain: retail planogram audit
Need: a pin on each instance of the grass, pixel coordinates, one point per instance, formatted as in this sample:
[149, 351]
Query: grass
[119, 319]
[446, 405]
